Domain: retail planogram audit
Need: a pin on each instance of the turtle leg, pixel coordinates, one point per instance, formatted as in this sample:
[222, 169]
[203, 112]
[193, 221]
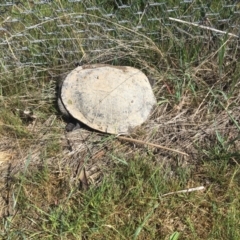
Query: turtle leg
[71, 126]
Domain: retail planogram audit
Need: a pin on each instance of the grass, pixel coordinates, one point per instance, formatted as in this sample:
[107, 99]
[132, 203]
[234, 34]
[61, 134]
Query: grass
[85, 185]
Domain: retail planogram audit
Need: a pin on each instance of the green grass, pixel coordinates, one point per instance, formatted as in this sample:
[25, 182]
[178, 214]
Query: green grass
[128, 204]
[134, 191]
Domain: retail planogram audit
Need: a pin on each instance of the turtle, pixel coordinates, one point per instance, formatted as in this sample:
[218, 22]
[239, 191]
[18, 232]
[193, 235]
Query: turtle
[107, 98]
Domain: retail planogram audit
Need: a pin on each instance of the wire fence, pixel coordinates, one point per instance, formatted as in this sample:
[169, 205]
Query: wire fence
[43, 34]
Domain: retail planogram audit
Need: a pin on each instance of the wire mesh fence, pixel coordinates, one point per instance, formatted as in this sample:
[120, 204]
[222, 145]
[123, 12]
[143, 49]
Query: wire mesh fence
[44, 34]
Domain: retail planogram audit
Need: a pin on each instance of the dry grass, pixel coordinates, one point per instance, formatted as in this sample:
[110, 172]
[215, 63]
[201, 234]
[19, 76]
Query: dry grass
[86, 185]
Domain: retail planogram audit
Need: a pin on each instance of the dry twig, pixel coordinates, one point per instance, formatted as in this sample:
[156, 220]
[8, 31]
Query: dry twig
[185, 191]
[150, 144]
[204, 27]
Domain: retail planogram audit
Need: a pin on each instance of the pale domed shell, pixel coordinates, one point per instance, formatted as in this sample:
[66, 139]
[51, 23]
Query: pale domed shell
[111, 99]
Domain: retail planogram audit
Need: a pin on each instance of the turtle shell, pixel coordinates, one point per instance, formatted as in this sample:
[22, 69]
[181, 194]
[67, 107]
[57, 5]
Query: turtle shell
[111, 99]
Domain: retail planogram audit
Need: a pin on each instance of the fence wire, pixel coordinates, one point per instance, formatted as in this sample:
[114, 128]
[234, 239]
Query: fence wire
[41, 33]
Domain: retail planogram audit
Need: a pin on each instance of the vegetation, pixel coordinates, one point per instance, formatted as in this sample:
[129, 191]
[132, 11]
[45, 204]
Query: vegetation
[86, 185]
